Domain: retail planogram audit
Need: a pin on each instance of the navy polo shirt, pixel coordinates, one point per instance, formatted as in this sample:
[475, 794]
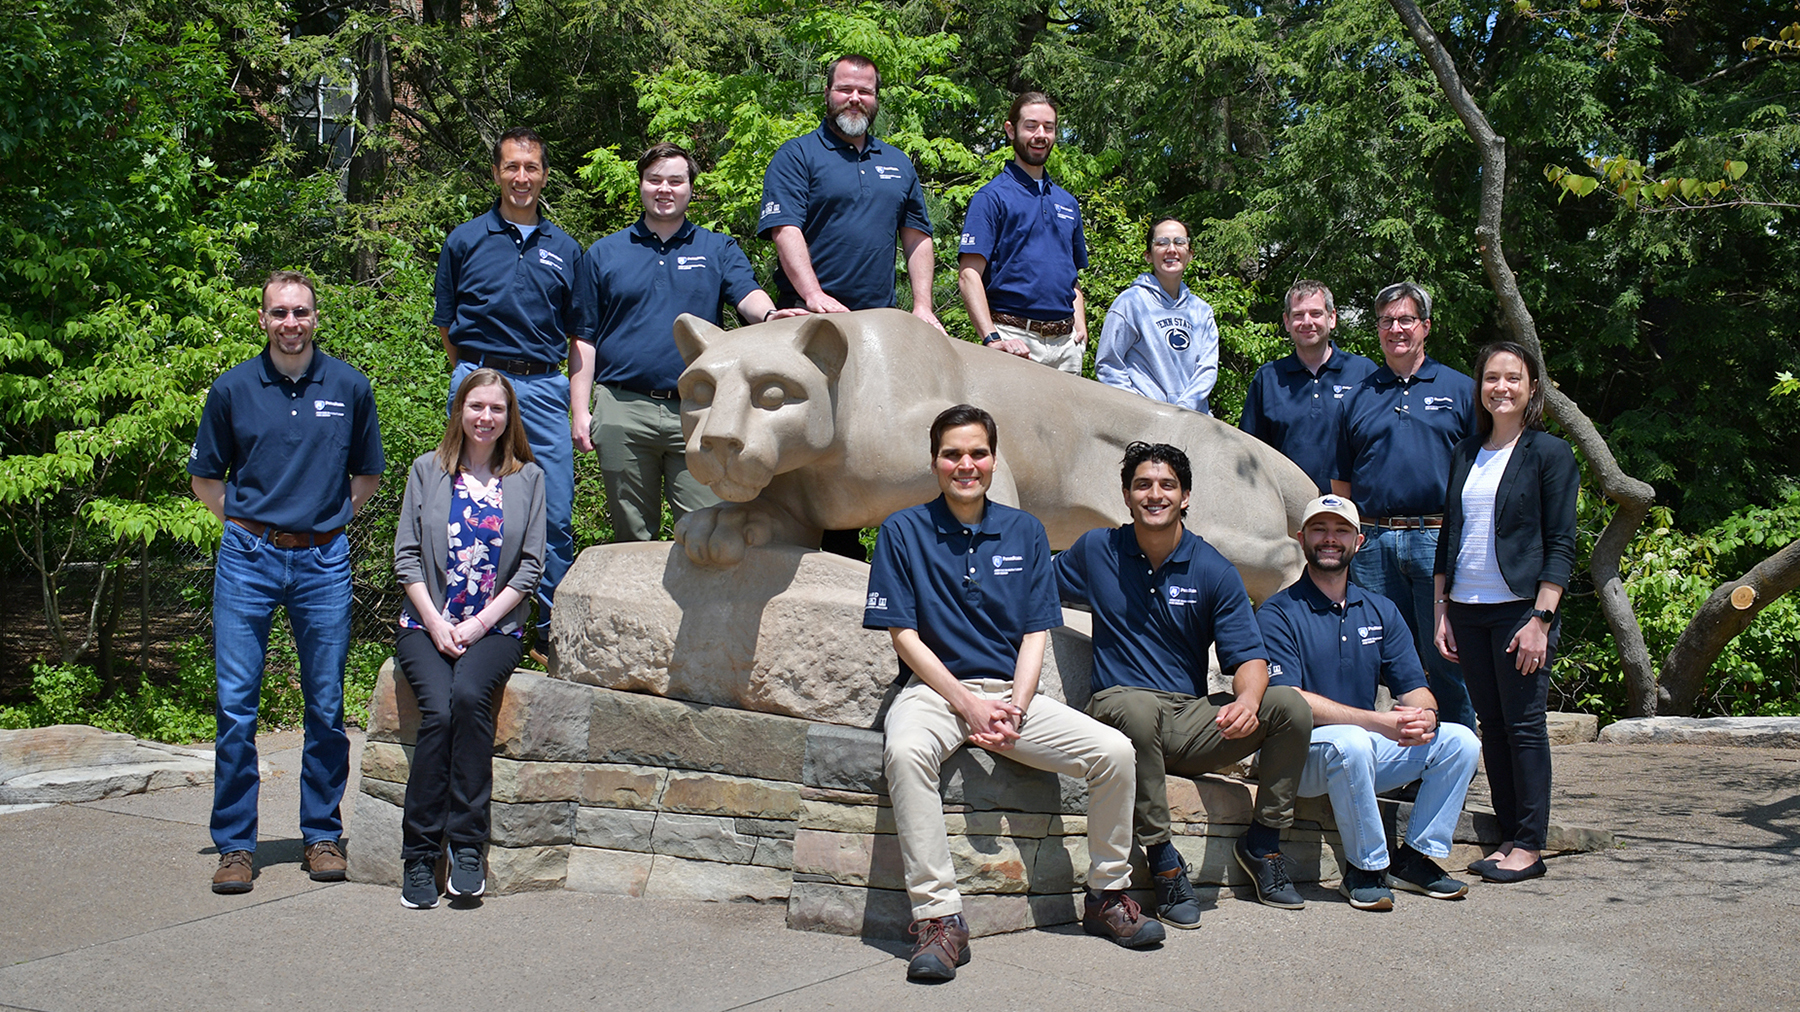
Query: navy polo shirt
[1299, 413]
[632, 285]
[1341, 652]
[503, 294]
[1394, 443]
[972, 592]
[286, 450]
[1152, 627]
[1031, 236]
[850, 206]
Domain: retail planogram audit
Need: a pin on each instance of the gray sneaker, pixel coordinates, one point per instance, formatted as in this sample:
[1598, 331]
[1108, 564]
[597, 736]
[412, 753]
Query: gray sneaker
[418, 884]
[468, 874]
[1176, 904]
[1364, 889]
[1413, 872]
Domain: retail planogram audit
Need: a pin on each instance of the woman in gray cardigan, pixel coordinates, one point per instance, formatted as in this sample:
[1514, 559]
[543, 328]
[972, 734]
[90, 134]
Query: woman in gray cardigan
[469, 552]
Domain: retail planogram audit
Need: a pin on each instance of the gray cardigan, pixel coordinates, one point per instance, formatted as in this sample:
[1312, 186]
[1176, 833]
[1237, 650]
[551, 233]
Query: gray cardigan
[423, 538]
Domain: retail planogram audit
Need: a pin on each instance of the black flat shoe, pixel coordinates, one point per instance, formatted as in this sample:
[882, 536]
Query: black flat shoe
[1495, 873]
[1482, 866]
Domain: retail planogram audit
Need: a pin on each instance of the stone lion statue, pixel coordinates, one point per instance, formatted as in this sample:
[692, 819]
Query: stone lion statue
[821, 423]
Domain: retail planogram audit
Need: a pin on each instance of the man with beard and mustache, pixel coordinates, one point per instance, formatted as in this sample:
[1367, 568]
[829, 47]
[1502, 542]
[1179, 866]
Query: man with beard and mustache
[1337, 643]
[1022, 245]
[1162, 597]
[834, 202]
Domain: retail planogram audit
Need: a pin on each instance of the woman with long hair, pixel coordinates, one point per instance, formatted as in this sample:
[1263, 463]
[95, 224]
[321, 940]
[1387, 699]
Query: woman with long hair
[469, 551]
[1503, 560]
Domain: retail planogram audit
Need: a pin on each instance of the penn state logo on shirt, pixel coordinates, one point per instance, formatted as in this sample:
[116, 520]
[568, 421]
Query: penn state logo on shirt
[1006, 565]
[886, 172]
[1181, 597]
[1338, 390]
[549, 259]
[1179, 339]
[1439, 403]
[1066, 213]
[328, 409]
[771, 207]
[696, 262]
[1369, 634]
[968, 239]
[876, 601]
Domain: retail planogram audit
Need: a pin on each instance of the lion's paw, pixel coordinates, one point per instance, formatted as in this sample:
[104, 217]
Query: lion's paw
[720, 535]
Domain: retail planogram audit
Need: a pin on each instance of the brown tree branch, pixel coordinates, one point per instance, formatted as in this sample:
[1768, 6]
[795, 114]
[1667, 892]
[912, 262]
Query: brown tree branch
[1729, 611]
[1633, 496]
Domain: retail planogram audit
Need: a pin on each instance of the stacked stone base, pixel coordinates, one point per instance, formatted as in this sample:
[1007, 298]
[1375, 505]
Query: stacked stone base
[603, 791]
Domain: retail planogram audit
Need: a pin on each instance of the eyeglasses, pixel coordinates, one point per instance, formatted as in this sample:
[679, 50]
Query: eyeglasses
[1396, 322]
[279, 313]
[1165, 241]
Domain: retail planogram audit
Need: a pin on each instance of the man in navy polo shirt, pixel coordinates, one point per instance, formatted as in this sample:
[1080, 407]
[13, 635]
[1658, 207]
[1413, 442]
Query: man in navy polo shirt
[1393, 461]
[505, 300]
[288, 448]
[1295, 404]
[1337, 644]
[964, 588]
[1161, 597]
[1022, 245]
[630, 288]
[835, 200]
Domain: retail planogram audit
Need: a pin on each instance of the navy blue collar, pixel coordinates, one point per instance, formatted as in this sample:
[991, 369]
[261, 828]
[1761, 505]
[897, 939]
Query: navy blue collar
[946, 522]
[1335, 363]
[1306, 590]
[641, 234]
[1428, 371]
[497, 223]
[272, 375]
[871, 143]
[1184, 550]
[1024, 179]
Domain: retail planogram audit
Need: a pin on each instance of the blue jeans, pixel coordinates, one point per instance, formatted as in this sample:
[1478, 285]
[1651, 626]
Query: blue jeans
[1352, 765]
[544, 408]
[1397, 565]
[253, 578]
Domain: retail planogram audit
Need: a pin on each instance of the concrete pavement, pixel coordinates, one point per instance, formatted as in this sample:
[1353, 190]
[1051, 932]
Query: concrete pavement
[105, 905]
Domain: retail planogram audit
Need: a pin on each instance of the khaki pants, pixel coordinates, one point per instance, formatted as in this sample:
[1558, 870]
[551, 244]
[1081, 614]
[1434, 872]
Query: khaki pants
[1175, 733]
[923, 729]
[1060, 352]
[642, 458]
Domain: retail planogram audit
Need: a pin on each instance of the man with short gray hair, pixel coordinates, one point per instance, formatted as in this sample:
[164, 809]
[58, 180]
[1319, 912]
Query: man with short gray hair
[1394, 463]
[1295, 404]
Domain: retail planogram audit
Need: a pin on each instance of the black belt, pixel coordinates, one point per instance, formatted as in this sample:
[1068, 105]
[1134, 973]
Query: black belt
[1049, 328]
[661, 395]
[515, 366]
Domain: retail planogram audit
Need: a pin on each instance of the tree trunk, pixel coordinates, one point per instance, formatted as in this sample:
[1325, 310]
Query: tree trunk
[368, 167]
[1632, 496]
[1729, 611]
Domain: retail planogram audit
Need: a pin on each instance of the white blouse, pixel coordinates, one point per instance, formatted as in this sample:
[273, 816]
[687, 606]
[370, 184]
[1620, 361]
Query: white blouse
[1478, 577]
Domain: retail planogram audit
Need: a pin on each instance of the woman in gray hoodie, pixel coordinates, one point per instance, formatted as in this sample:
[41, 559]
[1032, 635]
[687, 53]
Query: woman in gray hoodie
[1160, 339]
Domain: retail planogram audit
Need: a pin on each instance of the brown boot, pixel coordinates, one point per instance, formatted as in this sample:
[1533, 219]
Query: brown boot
[1117, 916]
[325, 861]
[234, 873]
[941, 944]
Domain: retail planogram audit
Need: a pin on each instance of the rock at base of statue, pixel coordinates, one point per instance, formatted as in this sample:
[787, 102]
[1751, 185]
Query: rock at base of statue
[780, 633]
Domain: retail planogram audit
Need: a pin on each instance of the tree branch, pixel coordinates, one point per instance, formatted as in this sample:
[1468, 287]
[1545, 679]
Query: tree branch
[1722, 617]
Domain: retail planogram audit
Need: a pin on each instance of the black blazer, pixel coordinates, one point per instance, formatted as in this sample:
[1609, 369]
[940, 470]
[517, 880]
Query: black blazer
[1534, 513]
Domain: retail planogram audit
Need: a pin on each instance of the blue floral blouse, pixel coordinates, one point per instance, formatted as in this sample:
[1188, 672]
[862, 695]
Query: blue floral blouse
[471, 565]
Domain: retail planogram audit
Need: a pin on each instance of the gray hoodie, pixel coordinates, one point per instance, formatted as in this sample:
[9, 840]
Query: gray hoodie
[1166, 349]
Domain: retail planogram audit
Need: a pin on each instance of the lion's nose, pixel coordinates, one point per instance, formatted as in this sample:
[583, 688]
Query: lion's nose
[726, 444]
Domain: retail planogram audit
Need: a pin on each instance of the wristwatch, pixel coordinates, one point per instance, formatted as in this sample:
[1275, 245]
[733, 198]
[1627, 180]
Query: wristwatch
[992, 339]
[1546, 614]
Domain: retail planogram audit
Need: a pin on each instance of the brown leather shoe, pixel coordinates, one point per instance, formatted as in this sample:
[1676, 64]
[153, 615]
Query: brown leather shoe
[325, 861]
[234, 873]
[1117, 916]
[941, 944]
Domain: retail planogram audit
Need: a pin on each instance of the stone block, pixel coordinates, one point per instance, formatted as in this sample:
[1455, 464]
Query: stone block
[841, 797]
[1572, 728]
[843, 758]
[623, 829]
[1060, 865]
[718, 793]
[1066, 825]
[543, 718]
[75, 763]
[392, 793]
[618, 786]
[525, 869]
[393, 712]
[60, 747]
[780, 829]
[648, 731]
[529, 781]
[1211, 799]
[774, 852]
[993, 864]
[984, 780]
[859, 859]
[682, 879]
[781, 632]
[538, 824]
[1753, 732]
[383, 760]
[608, 872]
[1316, 811]
[848, 910]
[1028, 824]
[701, 838]
[372, 841]
[840, 818]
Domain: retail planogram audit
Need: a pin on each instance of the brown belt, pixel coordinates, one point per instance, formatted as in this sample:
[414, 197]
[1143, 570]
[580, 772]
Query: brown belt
[1049, 328]
[287, 539]
[1423, 523]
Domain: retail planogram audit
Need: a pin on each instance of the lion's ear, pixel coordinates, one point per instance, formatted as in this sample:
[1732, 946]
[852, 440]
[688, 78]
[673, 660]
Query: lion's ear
[820, 339]
[692, 335]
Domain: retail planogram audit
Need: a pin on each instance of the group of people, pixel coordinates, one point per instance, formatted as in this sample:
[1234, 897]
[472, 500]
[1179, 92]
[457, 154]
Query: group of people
[1444, 509]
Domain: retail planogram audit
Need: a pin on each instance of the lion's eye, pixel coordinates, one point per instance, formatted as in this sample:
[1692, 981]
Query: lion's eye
[772, 395]
[700, 392]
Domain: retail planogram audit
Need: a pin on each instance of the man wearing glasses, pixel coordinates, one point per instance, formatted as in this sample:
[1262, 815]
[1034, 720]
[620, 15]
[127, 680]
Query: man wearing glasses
[1295, 404]
[1022, 246]
[966, 591]
[1159, 338]
[1394, 463]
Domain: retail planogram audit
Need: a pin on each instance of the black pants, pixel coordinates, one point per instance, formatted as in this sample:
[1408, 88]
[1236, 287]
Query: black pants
[453, 763]
[846, 543]
[1515, 744]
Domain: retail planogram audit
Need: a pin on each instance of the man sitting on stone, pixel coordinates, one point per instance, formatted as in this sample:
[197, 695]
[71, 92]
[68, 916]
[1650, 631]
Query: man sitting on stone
[964, 588]
[1161, 597]
[1336, 642]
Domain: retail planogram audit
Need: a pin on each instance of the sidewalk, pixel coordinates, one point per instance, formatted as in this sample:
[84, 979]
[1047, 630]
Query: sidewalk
[106, 906]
